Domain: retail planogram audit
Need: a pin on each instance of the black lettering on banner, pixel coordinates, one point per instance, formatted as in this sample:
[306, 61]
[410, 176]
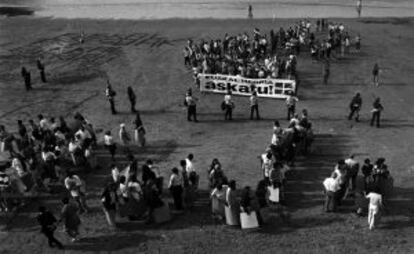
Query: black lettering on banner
[244, 89]
[221, 86]
[210, 85]
[263, 90]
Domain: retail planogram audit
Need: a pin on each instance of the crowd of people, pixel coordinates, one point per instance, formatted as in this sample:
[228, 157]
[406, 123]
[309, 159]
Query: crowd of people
[369, 181]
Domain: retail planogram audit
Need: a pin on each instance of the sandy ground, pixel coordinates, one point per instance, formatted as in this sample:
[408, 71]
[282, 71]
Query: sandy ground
[147, 56]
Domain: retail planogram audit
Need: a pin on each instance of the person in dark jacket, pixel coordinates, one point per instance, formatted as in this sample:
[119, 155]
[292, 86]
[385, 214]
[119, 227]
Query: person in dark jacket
[355, 107]
[27, 79]
[47, 222]
[41, 68]
[109, 200]
[132, 99]
[376, 112]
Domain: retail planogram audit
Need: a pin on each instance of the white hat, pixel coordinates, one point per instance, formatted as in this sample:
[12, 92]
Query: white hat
[122, 125]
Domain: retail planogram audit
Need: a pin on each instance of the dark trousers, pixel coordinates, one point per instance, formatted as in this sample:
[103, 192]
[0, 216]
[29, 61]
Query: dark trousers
[254, 108]
[43, 76]
[330, 202]
[192, 113]
[376, 118]
[28, 84]
[112, 150]
[112, 102]
[51, 239]
[290, 112]
[176, 192]
[187, 61]
[133, 102]
[354, 110]
[228, 113]
[325, 78]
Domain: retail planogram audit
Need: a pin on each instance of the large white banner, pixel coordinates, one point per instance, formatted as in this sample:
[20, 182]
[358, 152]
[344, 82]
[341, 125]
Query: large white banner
[268, 88]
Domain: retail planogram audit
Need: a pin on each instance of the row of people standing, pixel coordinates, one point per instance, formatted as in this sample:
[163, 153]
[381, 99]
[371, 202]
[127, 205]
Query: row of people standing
[27, 77]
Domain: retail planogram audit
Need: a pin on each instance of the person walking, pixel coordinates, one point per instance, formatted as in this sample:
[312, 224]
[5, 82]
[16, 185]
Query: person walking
[375, 74]
[26, 78]
[228, 106]
[109, 143]
[190, 103]
[325, 72]
[139, 133]
[359, 7]
[69, 216]
[254, 106]
[109, 199]
[132, 98]
[375, 205]
[331, 187]
[291, 105]
[355, 107]
[176, 188]
[124, 136]
[376, 112]
[47, 222]
[110, 95]
[41, 68]
[74, 184]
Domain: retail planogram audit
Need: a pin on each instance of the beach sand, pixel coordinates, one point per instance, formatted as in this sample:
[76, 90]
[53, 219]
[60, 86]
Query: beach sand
[147, 55]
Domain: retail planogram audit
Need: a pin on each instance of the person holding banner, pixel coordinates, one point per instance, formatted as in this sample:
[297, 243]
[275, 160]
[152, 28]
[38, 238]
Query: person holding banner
[228, 106]
[254, 106]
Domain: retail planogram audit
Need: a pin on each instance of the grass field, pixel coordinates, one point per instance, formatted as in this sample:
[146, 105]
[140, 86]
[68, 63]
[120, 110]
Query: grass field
[147, 56]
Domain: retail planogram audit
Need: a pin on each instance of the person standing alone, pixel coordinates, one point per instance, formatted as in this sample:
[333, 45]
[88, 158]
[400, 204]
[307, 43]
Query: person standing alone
[376, 112]
[190, 103]
[132, 98]
[254, 106]
[375, 74]
[355, 107]
[291, 105]
[41, 68]
[228, 106]
[110, 95]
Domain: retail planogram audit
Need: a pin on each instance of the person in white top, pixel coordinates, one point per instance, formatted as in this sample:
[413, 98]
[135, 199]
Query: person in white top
[110, 144]
[228, 106]
[43, 123]
[291, 104]
[331, 187]
[189, 168]
[375, 204]
[353, 168]
[115, 173]
[176, 187]
[77, 190]
[254, 106]
[267, 164]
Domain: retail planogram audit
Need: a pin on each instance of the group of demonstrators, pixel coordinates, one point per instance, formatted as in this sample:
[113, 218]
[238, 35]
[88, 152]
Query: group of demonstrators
[255, 56]
[369, 181]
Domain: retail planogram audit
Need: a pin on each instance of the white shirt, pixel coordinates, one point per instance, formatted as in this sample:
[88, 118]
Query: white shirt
[73, 184]
[227, 99]
[350, 162]
[175, 180]
[375, 200]
[331, 184]
[108, 140]
[44, 124]
[115, 174]
[83, 134]
[273, 194]
[266, 165]
[189, 166]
